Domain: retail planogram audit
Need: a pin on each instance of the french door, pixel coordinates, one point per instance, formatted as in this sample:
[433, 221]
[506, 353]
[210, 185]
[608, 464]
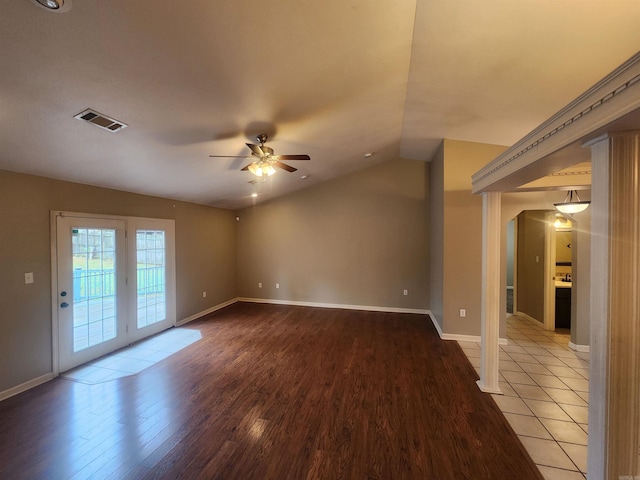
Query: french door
[115, 283]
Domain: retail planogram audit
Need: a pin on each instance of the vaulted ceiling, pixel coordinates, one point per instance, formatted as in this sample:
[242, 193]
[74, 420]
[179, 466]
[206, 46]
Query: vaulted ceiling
[333, 79]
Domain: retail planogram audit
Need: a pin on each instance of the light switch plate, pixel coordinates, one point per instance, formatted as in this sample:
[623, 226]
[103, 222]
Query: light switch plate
[28, 277]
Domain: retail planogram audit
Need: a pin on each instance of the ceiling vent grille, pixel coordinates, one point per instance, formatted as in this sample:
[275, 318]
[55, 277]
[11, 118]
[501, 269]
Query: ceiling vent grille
[100, 120]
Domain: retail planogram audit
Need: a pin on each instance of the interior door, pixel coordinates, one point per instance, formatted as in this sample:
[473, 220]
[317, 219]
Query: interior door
[92, 307]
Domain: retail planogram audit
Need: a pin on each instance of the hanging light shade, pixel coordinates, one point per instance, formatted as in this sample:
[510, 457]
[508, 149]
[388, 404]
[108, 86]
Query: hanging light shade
[572, 203]
[261, 169]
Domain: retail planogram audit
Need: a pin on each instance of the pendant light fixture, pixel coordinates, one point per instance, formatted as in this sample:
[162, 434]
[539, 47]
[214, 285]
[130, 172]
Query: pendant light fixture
[572, 203]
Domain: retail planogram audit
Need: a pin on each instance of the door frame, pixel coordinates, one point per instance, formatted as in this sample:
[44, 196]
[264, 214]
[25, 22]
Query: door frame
[129, 221]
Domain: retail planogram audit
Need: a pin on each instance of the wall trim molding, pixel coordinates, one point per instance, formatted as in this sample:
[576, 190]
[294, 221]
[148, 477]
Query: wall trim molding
[579, 348]
[23, 387]
[368, 308]
[206, 312]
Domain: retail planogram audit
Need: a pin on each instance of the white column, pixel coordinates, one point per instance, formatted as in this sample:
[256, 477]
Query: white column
[490, 315]
[599, 328]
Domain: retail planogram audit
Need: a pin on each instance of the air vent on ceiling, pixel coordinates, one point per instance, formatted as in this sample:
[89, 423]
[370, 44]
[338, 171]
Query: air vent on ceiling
[100, 120]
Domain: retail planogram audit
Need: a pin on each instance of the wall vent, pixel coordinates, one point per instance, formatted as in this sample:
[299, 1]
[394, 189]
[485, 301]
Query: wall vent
[100, 120]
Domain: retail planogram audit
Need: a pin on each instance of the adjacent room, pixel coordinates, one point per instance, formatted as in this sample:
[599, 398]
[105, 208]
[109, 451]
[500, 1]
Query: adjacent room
[319, 240]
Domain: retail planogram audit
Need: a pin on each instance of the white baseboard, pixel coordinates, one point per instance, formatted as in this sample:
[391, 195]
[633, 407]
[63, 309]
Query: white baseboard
[368, 308]
[469, 338]
[23, 387]
[579, 348]
[458, 337]
[206, 312]
[435, 323]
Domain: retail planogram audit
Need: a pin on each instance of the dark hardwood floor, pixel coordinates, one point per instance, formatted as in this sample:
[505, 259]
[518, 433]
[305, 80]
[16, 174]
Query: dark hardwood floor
[274, 392]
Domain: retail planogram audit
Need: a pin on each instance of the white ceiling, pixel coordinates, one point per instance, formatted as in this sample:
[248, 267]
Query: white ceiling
[333, 79]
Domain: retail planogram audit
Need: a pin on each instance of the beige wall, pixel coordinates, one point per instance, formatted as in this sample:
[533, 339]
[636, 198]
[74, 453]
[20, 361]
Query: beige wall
[205, 260]
[359, 240]
[461, 235]
[530, 239]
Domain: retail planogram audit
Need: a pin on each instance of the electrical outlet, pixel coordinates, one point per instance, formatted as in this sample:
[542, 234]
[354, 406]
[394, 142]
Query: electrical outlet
[204, 294]
[406, 292]
[463, 312]
[259, 284]
[28, 277]
[277, 285]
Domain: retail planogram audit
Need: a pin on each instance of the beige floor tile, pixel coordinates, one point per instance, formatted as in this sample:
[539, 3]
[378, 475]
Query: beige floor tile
[550, 473]
[577, 384]
[512, 349]
[472, 352]
[518, 377]
[583, 371]
[536, 351]
[577, 453]
[563, 371]
[547, 410]
[504, 356]
[585, 427]
[568, 354]
[535, 368]
[528, 426]
[523, 357]
[475, 361]
[531, 391]
[548, 381]
[509, 365]
[575, 362]
[550, 360]
[569, 432]
[506, 389]
[564, 396]
[584, 396]
[577, 413]
[547, 452]
[472, 345]
[511, 405]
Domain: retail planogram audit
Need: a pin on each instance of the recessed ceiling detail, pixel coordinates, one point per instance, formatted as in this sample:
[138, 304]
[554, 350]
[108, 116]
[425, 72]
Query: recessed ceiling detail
[100, 120]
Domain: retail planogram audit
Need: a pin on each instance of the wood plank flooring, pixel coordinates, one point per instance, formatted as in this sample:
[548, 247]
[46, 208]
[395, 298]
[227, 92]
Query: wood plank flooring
[274, 392]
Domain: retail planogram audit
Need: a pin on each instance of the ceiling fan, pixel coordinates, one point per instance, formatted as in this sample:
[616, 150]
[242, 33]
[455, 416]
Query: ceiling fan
[264, 159]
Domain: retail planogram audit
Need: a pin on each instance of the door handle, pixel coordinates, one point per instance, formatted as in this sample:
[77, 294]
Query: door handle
[64, 305]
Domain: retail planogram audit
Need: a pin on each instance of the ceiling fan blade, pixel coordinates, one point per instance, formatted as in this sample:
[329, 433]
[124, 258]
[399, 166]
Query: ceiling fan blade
[230, 156]
[294, 157]
[256, 149]
[284, 166]
[246, 167]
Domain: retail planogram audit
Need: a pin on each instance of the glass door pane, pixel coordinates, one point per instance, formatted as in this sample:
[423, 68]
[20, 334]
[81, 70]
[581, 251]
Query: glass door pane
[150, 276]
[94, 292]
[92, 289]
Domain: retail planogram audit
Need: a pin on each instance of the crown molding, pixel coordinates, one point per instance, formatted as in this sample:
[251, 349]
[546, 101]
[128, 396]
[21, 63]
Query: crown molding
[614, 96]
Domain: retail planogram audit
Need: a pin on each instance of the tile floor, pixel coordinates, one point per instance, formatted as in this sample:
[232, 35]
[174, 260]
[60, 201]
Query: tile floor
[134, 358]
[545, 397]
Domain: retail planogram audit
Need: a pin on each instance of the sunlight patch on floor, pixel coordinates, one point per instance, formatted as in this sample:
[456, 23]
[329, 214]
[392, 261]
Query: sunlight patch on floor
[134, 358]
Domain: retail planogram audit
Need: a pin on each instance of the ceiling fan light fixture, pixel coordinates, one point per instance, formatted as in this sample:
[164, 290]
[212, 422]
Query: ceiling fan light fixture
[261, 169]
[571, 205]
